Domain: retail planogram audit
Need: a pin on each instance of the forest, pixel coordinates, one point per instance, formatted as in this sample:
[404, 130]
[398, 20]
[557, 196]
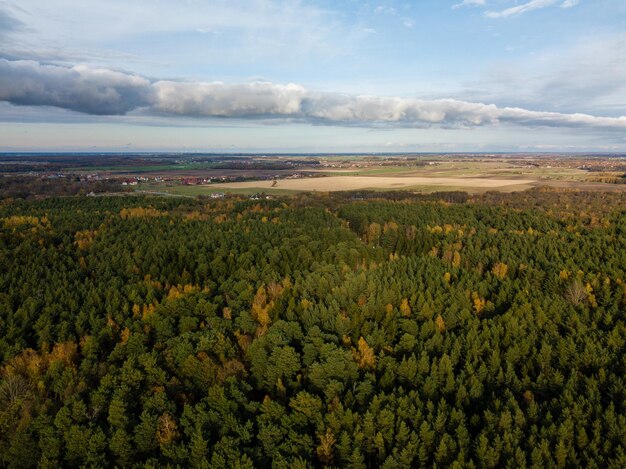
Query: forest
[349, 330]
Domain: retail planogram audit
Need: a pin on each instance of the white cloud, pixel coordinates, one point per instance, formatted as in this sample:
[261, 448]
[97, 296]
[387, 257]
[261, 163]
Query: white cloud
[521, 9]
[106, 92]
[588, 75]
[517, 9]
[8, 22]
[227, 100]
[241, 30]
[466, 3]
[385, 9]
[97, 20]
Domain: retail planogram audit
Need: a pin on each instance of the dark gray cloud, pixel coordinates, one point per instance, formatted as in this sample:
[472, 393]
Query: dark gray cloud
[101, 91]
[79, 88]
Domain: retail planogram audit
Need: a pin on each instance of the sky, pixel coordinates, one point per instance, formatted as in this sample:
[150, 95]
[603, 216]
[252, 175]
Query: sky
[313, 76]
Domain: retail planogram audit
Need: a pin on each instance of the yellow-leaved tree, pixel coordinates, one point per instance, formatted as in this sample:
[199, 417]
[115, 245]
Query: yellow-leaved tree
[365, 355]
[325, 448]
[260, 310]
[405, 308]
[440, 324]
[499, 269]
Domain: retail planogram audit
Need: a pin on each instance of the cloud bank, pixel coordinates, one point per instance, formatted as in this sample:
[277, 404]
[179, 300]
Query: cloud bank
[100, 91]
[89, 90]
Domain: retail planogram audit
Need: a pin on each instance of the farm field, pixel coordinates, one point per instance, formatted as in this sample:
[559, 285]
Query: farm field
[462, 174]
[193, 175]
[347, 183]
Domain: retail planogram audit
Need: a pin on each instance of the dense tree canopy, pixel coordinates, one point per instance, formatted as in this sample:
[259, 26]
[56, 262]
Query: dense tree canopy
[314, 331]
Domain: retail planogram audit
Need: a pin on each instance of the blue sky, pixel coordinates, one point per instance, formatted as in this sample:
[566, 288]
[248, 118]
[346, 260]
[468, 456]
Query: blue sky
[428, 75]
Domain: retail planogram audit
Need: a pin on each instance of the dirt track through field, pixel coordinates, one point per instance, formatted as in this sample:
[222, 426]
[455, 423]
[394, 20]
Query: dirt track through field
[346, 183]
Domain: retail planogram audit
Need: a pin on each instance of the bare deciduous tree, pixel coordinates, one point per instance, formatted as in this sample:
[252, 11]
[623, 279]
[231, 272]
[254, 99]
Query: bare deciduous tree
[575, 292]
